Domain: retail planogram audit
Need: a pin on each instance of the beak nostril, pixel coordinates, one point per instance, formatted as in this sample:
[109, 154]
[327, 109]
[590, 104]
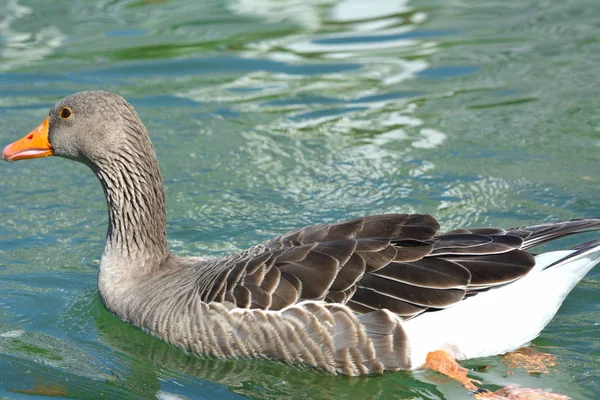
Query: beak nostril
[30, 136]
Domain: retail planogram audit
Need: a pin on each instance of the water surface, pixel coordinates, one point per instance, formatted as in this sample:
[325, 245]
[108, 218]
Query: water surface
[268, 115]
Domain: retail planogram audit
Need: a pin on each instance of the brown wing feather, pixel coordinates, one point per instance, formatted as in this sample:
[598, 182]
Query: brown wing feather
[392, 261]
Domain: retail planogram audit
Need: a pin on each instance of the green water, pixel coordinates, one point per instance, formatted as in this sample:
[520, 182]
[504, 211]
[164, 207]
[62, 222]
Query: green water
[272, 114]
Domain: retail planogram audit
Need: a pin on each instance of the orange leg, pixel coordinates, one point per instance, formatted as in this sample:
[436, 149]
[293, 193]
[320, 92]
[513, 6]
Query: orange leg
[444, 363]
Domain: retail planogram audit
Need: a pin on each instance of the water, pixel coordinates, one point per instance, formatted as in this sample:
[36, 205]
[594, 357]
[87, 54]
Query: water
[268, 115]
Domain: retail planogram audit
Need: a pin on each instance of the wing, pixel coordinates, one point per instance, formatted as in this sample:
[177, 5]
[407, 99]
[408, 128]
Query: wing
[395, 261]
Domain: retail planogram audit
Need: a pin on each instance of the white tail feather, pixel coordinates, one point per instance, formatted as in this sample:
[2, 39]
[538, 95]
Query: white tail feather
[506, 318]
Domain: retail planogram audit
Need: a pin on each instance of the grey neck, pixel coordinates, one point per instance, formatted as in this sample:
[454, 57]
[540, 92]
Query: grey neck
[137, 216]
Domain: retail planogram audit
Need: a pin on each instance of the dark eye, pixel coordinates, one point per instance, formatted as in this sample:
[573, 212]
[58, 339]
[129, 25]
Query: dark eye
[65, 113]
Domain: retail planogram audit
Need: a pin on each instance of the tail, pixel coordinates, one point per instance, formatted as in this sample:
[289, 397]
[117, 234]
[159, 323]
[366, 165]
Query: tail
[537, 235]
[588, 250]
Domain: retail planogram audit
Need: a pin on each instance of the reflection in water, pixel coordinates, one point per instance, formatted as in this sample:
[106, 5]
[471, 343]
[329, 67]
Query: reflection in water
[463, 202]
[260, 379]
[367, 117]
[304, 12]
[145, 366]
[124, 362]
[18, 48]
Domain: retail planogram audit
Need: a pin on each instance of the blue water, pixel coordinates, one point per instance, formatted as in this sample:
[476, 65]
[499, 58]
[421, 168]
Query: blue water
[268, 115]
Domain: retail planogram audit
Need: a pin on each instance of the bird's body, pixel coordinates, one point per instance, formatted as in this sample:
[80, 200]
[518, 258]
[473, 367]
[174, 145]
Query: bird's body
[251, 304]
[361, 296]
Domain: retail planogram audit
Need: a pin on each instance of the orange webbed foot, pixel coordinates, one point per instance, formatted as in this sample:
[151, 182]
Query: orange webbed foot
[444, 363]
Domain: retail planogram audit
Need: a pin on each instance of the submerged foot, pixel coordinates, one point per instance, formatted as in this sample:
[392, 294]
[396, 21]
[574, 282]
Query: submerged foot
[444, 363]
[516, 393]
[533, 361]
[43, 390]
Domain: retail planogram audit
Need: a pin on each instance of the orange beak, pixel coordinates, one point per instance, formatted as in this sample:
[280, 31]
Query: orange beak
[34, 145]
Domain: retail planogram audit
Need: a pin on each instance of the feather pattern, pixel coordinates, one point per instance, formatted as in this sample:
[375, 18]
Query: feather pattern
[334, 296]
[355, 261]
[351, 284]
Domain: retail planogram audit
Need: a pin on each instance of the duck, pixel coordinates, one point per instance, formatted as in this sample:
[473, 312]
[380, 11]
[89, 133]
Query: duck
[372, 294]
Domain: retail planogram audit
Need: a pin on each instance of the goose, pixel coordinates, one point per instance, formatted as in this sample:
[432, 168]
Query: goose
[379, 293]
